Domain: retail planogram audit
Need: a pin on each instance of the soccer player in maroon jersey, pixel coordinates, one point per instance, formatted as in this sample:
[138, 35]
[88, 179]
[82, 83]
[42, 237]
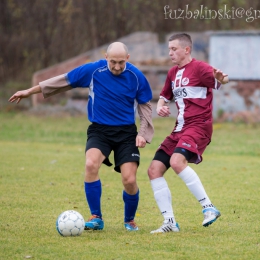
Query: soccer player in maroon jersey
[189, 83]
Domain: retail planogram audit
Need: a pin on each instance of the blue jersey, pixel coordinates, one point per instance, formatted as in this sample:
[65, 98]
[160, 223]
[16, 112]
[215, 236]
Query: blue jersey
[112, 98]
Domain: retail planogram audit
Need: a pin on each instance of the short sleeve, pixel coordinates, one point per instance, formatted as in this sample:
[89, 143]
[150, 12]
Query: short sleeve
[166, 92]
[81, 76]
[144, 93]
[206, 76]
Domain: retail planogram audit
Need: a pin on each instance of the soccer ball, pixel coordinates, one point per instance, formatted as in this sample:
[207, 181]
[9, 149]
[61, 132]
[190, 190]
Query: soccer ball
[70, 223]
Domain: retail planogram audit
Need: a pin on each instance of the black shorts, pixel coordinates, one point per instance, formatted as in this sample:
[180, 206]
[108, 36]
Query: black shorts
[163, 157]
[120, 139]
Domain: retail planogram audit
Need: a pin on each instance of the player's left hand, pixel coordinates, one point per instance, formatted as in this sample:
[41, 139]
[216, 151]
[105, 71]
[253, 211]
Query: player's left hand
[220, 76]
[140, 141]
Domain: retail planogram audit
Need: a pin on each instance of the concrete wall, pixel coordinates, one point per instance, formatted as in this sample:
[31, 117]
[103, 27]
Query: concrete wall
[238, 100]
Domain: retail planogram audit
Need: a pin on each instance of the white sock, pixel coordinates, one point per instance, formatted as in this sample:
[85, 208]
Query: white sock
[192, 180]
[163, 198]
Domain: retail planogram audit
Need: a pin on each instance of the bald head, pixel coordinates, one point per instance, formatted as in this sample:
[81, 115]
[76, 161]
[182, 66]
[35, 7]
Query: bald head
[117, 56]
[116, 48]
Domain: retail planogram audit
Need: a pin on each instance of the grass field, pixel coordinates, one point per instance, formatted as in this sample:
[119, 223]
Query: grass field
[41, 175]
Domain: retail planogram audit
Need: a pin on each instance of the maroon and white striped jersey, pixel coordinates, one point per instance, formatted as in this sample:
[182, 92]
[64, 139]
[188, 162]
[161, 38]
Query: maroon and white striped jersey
[191, 88]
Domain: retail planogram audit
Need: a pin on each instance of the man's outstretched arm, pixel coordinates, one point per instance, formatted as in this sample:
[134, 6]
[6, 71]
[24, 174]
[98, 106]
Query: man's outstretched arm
[19, 95]
[48, 88]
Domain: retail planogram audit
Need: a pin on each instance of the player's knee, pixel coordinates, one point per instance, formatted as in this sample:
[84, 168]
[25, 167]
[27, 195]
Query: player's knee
[129, 181]
[130, 185]
[91, 165]
[152, 172]
[177, 165]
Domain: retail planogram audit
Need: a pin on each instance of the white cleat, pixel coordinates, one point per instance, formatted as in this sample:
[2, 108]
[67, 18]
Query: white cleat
[210, 216]
[167, 227]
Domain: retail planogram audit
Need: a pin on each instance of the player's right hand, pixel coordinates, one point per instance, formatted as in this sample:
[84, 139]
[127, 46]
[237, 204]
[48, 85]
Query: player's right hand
[163, 111]
[19, 95]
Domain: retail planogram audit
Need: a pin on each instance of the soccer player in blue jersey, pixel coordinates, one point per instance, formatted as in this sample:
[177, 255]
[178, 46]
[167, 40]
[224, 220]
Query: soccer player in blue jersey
[117, 89]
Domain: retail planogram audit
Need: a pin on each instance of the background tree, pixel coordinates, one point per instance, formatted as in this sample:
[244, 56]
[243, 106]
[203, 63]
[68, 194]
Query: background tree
[35, 34]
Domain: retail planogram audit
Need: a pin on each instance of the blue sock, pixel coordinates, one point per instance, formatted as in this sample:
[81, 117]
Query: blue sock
[131, 204]
[93, 191]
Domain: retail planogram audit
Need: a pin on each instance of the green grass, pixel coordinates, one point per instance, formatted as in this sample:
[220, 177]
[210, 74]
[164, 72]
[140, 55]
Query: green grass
[41, 175]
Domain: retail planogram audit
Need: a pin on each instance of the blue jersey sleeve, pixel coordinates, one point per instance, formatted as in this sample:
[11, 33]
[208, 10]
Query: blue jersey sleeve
[81, 76]
[144, 93]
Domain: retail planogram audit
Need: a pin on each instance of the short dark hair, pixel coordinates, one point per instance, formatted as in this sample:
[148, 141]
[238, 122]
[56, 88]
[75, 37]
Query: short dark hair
[184, 38]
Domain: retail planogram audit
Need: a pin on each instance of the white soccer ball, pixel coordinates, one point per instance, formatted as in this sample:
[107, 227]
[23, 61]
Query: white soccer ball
[70, 223]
